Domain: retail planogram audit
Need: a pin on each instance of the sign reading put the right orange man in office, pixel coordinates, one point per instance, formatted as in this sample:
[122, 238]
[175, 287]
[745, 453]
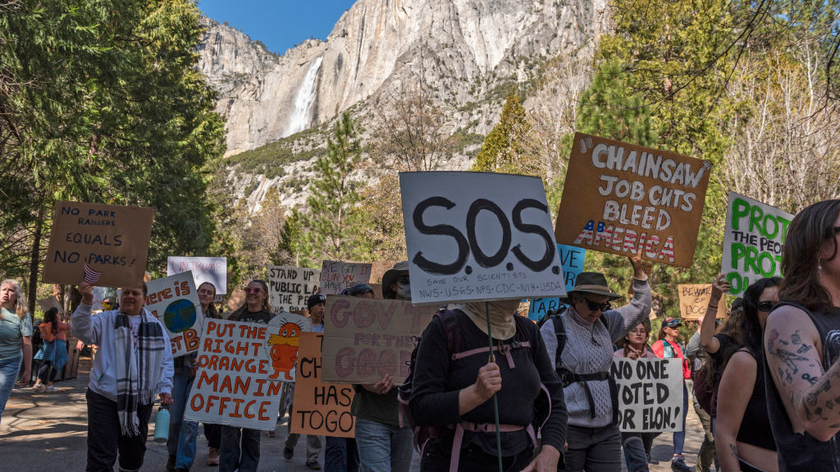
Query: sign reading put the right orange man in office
[619, 197]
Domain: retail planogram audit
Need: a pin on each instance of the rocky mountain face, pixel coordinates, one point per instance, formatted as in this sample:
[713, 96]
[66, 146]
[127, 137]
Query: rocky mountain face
[468, 51]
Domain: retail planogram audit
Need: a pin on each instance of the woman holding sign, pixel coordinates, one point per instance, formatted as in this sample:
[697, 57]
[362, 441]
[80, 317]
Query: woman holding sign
[802, 344]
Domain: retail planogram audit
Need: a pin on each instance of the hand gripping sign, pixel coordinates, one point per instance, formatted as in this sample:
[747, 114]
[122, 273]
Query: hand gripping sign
[478, 236]
[174, 301]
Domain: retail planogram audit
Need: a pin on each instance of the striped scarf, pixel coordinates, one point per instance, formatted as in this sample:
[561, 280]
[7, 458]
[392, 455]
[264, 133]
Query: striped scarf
[138, 370]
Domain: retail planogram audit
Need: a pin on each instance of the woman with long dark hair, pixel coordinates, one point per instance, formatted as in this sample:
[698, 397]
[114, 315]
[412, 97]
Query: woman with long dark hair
[53, 352]
[802, 344]
[743, 437]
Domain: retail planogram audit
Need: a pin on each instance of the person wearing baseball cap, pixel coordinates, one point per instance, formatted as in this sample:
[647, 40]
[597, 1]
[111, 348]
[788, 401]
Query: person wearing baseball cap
[668, 346]
[316, 305]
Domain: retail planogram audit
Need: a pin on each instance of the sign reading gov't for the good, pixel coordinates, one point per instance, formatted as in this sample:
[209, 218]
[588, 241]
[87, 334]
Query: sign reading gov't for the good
[319, 409]
[290, 287]
[364, 339]
[650, 394]
[233, 385]
[478, 236]
[619, 197]
[204, 269]
[753, 242]
[174, 301]
[112, 240]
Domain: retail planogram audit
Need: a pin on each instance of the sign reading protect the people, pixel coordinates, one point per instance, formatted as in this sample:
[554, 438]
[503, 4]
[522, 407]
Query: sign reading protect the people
[112, 240]
[619, 197]
[753, 242]
[478, 236]
[174, 301]
[650, 394]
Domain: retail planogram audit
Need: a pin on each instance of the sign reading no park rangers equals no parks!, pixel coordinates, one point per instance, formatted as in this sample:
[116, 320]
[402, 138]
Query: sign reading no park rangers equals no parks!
[476, 236]
[620, 196]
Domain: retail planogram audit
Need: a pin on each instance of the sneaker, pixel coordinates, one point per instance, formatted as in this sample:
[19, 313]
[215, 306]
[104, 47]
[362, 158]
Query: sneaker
[170, 464]
[678, 464]
[50, 389]
[288, 453]
[314, 465]
[40, 388]
[213, 456]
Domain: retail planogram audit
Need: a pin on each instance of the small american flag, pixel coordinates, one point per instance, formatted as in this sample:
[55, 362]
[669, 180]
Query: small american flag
[91, 276]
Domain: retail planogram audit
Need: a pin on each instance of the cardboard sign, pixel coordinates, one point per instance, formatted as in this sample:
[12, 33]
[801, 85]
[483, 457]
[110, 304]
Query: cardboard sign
[650, 394]
[50, 302]
[753, 242]
[478, 236]
[320, 409]
[620, 196]
[336, 276]
[112, 240]
[174, 301]
[366, 339]
[236, 300]
[284, 331]
[694, 298]
[232, 385]
[290, 287]
[204, 269]
[572, 259]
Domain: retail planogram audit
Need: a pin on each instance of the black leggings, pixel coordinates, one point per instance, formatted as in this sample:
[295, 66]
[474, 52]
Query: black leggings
[47, 373]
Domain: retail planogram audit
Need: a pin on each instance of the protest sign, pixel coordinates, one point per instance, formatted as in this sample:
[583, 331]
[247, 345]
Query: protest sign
[619, 197]
[650, 394]
[694, 298]
[753, 242]
[319, 409]
[290, 287]
[572, 259]
[366, 339]
[174, 301]
[204, 269]
[478, 236]
[336, 276]
[284, 332]
[50, 302]
[111, 240]
[232, 385]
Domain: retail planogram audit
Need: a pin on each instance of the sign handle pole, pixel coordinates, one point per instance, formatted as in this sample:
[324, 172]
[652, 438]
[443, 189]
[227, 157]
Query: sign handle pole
[495, 397]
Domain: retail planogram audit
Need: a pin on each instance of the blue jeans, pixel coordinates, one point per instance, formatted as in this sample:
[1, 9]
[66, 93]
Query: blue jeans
[8, 375]
[240, 449]
[679, 436]
[341, 455]
[383, 447]
[183, 435]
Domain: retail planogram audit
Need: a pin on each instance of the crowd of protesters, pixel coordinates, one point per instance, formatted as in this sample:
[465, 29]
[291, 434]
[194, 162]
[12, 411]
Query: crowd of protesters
[764, 383]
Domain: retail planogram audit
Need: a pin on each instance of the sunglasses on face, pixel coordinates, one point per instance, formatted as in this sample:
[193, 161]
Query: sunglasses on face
[766, 305]
[252, 290]
[595, 306]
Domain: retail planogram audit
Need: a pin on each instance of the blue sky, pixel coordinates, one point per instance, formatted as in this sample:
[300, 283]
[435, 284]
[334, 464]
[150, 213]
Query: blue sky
[280, 24]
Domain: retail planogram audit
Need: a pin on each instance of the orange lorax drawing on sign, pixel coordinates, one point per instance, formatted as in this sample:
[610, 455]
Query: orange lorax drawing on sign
[284, 349]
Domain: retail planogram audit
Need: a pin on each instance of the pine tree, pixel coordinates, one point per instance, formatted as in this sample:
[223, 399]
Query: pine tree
[504, 149]
[334, 215]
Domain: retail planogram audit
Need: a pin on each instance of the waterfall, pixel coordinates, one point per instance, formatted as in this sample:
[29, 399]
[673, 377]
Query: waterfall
[300, 118]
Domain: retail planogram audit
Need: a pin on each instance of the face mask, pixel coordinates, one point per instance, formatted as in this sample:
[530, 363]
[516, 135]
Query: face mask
[404, 291]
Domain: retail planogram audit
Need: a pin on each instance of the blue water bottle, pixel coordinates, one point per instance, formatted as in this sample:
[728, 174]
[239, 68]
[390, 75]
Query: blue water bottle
[162, 424]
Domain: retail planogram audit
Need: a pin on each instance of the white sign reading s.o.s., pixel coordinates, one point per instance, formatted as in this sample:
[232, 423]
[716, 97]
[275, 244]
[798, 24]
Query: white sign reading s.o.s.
[478, 236]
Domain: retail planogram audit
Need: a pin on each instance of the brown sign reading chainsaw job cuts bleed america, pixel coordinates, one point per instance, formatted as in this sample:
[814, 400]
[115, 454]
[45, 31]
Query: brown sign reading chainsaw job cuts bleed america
[619, 197]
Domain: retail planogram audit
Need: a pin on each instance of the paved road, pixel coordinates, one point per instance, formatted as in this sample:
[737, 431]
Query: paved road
[43, 431]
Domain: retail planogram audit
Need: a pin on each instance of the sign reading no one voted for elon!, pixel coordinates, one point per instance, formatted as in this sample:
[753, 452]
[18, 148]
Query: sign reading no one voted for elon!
[174, 301]
[650, 394]
[290, 287]
[478, 236]
[320, 409]
[694, 298]
[232, 385]
[619, 197]
[112, 240]
[364, 339]
[753, 242]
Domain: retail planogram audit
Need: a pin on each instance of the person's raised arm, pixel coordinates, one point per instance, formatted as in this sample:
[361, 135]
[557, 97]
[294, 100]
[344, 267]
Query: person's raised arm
[736, 388]
[83, 326]
[792, 348]
[630, 315]
[707, 327]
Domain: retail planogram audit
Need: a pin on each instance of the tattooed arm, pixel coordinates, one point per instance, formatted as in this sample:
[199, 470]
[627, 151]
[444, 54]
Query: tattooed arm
[794, 354]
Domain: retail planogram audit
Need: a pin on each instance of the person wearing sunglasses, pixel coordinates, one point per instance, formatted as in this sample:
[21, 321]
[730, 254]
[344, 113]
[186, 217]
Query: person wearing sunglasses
[668, 346]
[744, 437]
[802, 344]
[587, 330]
[241, 446]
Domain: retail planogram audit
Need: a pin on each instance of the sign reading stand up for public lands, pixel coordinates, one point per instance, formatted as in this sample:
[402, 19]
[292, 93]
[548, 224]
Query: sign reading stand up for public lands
[112, 240]
[618, 197]
[478, 236]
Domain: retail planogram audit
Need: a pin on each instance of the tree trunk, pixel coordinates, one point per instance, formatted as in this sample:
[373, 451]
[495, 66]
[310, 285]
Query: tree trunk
[34, 262]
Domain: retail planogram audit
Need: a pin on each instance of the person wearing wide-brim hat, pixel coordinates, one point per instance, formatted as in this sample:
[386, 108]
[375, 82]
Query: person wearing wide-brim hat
[395, 282]
[592, 327]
